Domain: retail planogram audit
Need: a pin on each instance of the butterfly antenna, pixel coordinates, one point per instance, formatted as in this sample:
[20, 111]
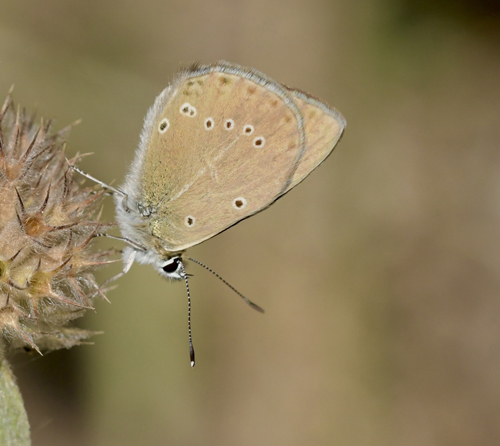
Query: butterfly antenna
[191, 349]
[248, 301]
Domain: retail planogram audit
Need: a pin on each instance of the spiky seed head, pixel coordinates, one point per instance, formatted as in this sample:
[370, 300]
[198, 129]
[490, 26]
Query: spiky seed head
[47, 223]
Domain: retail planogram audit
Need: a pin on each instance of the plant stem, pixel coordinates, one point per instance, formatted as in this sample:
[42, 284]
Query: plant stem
[14, 426]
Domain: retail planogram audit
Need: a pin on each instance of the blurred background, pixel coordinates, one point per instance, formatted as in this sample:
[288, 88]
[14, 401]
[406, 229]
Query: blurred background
[380, 274]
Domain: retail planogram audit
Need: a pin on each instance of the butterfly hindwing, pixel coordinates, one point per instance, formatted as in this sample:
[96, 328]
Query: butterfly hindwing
[323, 128]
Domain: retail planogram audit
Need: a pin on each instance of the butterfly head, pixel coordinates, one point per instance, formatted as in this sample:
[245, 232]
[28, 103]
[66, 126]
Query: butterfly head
[170, 266]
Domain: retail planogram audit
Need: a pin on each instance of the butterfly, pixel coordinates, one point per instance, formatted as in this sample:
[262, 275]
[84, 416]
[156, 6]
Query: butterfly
[220, 143]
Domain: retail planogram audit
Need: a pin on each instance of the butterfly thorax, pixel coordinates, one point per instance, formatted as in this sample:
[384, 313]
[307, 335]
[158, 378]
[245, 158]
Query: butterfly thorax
[134, 220]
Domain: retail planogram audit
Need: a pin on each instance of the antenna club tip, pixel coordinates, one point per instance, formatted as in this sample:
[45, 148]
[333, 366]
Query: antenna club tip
[256, 307]
[191, 355]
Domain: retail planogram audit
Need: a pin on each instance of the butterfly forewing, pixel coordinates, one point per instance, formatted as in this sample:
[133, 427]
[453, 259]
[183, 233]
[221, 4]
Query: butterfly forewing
[225, 146]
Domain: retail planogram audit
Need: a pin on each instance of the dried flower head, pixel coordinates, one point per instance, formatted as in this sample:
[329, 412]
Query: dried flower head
[47, 224]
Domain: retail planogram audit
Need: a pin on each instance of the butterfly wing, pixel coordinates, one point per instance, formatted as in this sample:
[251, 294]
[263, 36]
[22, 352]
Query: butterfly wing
[221, 144]
[323, 127]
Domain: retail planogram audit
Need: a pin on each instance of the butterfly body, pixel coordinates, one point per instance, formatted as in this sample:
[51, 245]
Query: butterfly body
[220, 144]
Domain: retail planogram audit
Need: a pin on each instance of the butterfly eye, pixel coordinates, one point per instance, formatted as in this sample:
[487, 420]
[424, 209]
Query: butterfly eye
[172, 266]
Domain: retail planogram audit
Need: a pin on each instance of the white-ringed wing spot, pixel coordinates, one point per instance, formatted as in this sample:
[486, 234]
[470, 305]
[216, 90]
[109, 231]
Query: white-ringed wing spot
[248, 129]
[164, 125]
[229, 124]
[259, 142]
[189, 221]
[209, 124]
[239, 203]
[188, 110]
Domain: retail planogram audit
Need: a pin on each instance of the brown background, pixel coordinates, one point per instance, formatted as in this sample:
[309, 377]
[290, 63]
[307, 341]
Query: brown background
[380, 274]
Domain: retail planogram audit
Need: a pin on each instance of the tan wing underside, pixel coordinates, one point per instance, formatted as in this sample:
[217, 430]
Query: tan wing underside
[323, 126]
[196, 176]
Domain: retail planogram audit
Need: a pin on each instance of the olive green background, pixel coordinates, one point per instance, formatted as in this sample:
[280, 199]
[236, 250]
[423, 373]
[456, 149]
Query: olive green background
[380, 274]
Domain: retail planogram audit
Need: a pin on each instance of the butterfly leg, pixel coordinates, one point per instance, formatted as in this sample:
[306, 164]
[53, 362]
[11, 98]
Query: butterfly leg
[126, 267]
[136, 246]
[101, 183]
[113, 190]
